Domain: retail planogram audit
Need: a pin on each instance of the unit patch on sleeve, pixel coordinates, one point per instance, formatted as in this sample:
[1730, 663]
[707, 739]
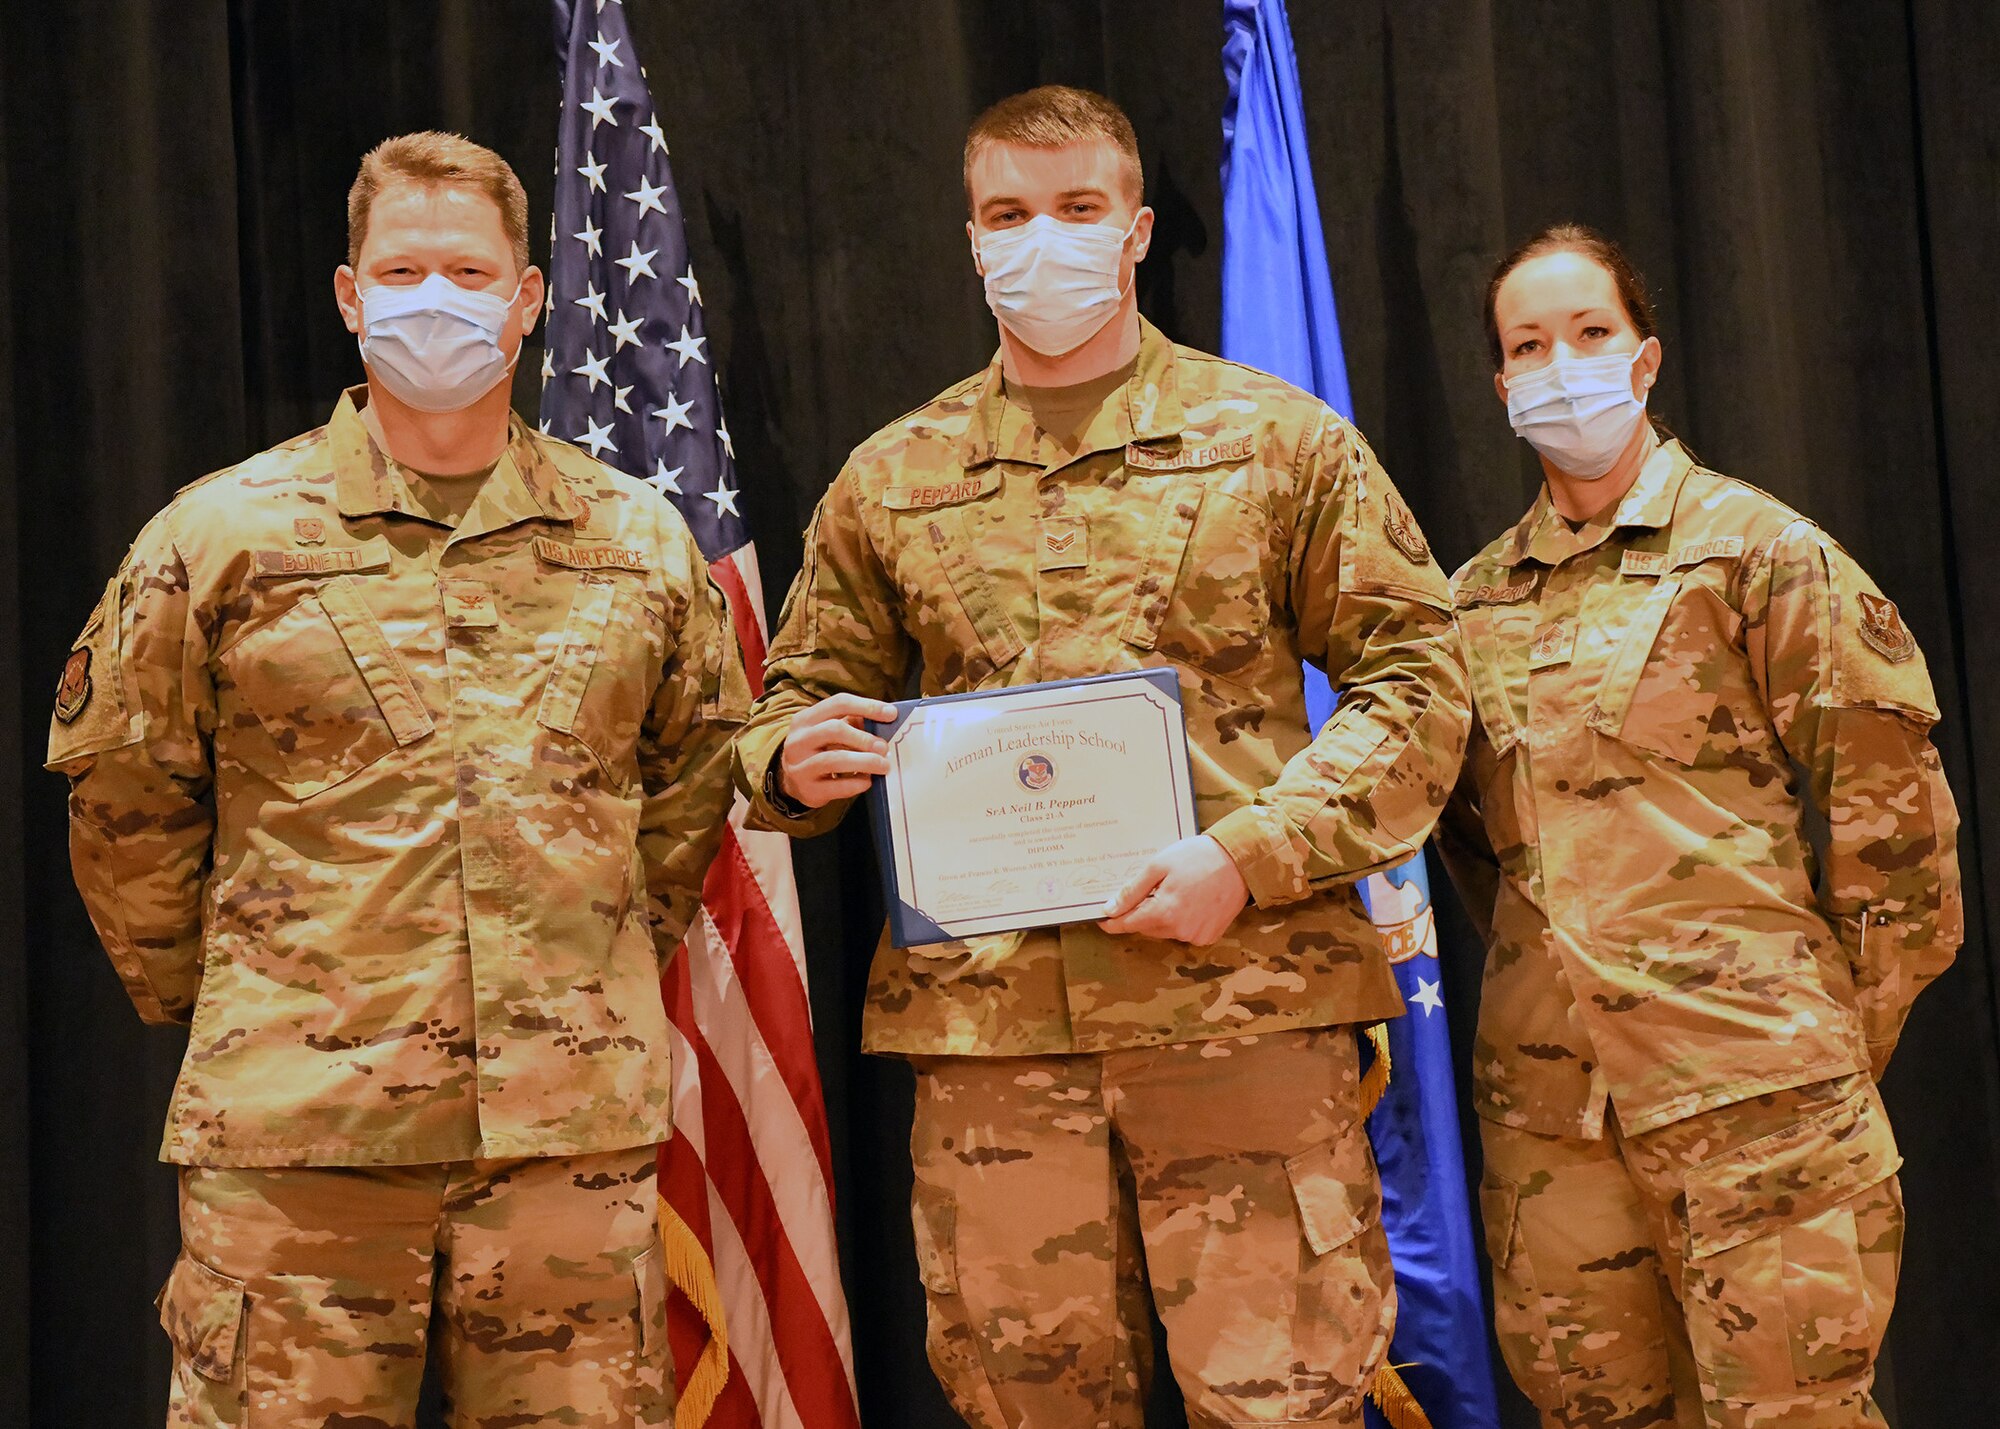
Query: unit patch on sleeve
[1402, 529]
[1884, 630]
[73, 691]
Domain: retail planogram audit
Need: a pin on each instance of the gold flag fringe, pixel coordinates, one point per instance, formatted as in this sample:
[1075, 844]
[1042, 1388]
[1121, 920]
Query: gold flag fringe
[1394, 1399]
[689, 1271]
[1389, 1393]
[1376, 1081]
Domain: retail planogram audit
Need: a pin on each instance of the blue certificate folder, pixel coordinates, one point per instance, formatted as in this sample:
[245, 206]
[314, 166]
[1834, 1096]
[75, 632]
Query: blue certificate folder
[1040, 780]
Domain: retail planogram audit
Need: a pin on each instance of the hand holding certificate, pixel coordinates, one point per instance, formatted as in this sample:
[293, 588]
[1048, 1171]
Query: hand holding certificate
[1029, 806]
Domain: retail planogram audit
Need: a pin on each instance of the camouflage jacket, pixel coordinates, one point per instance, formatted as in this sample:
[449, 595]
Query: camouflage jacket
[1216, 521]
[1630, 830]
[404, 819]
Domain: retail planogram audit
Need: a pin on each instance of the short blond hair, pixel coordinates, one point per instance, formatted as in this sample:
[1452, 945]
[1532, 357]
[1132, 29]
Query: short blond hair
[1054, 117]
[432, 157]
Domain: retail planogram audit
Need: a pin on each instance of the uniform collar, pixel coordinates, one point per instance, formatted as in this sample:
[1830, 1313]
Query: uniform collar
[1147, 408]
[1544, 537]
[525, 485]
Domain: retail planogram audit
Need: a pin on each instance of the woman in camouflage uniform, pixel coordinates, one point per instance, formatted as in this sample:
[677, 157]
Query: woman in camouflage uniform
[1690, 1194]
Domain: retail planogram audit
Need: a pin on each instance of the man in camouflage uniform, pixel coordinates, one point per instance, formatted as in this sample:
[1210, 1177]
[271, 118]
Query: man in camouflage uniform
[1169, 1095]
[1690, 1198]
[399, 788]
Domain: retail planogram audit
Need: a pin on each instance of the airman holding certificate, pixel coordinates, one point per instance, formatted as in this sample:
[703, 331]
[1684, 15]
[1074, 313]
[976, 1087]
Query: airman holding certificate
[1176, 1070]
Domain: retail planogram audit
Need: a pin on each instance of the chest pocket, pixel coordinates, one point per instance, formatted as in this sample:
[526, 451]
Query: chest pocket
[1663, 690]
[1496, 639]
[605, 672]
[1202, 598]
[949, 586]
[329, 693]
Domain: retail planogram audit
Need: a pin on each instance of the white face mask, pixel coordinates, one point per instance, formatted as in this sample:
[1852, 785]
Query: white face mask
[1054, 284]
[435, 345]
[1579, 412]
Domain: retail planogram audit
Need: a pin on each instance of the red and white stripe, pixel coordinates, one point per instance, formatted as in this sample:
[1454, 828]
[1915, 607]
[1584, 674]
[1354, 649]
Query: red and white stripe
[750, 1167]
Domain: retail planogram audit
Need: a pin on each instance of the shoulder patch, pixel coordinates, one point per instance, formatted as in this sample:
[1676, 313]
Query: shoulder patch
[594, 556]
[1402, 529]
[1883, 630]
[74, 689]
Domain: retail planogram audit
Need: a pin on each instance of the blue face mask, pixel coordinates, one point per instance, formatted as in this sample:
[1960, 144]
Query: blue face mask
[434, 345]
[1579, 412]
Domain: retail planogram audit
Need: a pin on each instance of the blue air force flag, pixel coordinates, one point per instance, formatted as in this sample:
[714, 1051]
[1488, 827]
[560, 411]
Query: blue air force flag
[1278, 315]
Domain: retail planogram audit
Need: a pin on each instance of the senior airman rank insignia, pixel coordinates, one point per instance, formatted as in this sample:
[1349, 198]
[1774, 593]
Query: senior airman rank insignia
[73, 691]
[1065, 544]
[1402, 529]
[1884, 630]
[310, 530]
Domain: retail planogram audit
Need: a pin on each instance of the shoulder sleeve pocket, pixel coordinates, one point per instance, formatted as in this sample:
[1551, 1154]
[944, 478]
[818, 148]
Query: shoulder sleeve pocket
[202, 1311]
[91, 711]
[1876, 662]
[1387, 552]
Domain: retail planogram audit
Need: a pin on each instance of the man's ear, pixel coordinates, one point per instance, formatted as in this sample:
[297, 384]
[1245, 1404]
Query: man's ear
[347, 297]
[534, 288]
[1142, 234]
[972, 237]
[1500, 387]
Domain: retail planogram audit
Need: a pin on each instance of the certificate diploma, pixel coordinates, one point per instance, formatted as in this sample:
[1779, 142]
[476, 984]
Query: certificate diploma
[1029, 806]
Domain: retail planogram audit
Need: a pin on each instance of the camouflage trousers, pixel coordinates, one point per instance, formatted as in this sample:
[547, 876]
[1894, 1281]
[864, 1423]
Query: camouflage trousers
[302, 1298]
[1231, 1178]
[1733, 1270]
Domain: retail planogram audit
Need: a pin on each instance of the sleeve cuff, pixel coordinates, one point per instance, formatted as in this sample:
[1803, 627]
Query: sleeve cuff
[1260, 842]
[757, 751]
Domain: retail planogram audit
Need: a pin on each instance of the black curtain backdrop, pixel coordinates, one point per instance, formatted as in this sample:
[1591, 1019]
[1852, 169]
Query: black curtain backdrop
[1813, 188]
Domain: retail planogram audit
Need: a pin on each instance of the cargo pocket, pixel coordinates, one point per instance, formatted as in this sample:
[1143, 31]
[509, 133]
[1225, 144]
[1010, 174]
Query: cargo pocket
[203, 1313]
[650, 1391]
[1346, 1306]
[327, 689]
[1579, 1306]
[1519, 1322]
[605, 670]
[651, 1274]
[951, 1338]
[1794, 1244]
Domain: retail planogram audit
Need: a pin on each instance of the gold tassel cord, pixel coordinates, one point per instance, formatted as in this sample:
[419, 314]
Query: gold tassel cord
[1394, 1399]
[689, 1271]
[1390, 1394]
[1376, 1080]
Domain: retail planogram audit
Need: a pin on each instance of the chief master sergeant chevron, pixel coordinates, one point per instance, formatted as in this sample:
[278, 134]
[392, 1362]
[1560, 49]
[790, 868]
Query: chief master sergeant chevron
[397, 756]
[1182, 1075]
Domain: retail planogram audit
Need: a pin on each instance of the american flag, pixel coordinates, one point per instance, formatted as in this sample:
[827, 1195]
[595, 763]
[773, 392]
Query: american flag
[746, 1182]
